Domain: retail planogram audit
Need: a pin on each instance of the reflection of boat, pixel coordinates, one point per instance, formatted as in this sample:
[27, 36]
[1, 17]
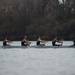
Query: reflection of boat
[38, 46]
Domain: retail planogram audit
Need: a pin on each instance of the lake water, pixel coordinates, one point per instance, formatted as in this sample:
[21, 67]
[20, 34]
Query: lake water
[37, 61]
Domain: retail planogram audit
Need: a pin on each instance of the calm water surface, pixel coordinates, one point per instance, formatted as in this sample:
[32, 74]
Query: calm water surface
[37, 61]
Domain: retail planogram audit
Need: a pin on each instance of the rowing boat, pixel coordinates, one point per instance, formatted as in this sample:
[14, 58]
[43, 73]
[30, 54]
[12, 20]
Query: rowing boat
[15, 46]
[54, 46]
[37, 46]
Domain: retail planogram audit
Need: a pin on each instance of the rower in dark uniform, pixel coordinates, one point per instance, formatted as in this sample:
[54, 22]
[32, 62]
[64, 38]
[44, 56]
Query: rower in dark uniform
[40, 42]
[74, 43]
[25, 42]
[56, 42]
[5, 42]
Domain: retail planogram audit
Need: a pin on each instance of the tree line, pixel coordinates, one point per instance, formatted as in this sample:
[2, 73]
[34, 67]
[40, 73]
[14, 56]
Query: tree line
[45, 18]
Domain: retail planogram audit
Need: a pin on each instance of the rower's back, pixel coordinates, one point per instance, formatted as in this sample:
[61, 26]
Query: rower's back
[54, 42]
[38, 41]
[23, 42]
[5, 42]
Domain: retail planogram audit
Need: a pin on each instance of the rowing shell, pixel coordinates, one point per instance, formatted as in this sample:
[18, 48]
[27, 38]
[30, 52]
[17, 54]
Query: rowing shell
[38, 46]
[15, 46]
[54, 46]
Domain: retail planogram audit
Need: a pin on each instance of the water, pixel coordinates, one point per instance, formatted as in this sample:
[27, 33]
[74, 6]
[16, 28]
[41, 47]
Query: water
[37, 61]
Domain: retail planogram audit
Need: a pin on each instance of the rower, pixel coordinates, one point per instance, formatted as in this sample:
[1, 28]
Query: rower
[5, 42]
[74, 43]
[25, 42]
[56, 42]
[40, 42]
[59, 42]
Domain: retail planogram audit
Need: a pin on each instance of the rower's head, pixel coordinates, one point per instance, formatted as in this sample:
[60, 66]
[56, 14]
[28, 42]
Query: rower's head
[39, 38]
[25, 37]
